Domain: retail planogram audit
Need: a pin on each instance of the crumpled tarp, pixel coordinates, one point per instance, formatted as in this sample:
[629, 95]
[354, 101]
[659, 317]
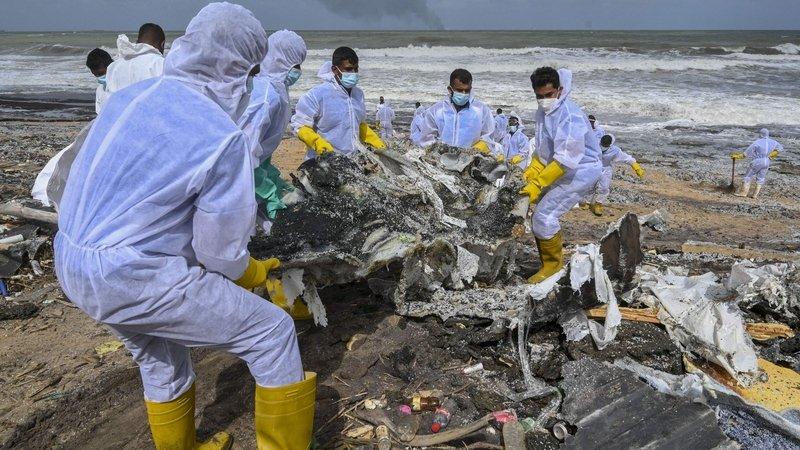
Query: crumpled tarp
[699, 321]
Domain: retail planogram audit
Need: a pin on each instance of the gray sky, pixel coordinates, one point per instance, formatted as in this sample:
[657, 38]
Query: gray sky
[43, 15]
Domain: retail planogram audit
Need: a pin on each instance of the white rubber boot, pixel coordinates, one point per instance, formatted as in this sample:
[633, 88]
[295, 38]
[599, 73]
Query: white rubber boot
[742, 192]
[757, 191]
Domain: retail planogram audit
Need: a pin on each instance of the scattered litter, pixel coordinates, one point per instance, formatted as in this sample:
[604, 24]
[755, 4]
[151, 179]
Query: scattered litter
[473, 369]
[560, 431]
[382, 433]
[442, 415]
[422, 403]
[656, 220]
[108, 347]
[362, 432]
[771, 288]
[405, 410]
[513, 436]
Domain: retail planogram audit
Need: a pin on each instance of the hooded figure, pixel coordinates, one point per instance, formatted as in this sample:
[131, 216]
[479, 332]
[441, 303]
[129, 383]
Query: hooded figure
[566, 166]
[599, 132]
[384, 117]
[500, 125]
[612, 154]
[153, 229]
[135, 62]
[416, 123]
[515, 143]
[329, 112]
[267, 115]
[457, 127]
[759, 153]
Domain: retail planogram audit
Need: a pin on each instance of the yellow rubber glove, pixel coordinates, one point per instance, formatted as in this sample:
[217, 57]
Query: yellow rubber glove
[638, 169]
[533, 169]
[482, 147]
[737, 155]
[546, 177]
[370, 137]
[773, 154]
[256, 272]
[500, 158]
[314, 141]
[516, 159]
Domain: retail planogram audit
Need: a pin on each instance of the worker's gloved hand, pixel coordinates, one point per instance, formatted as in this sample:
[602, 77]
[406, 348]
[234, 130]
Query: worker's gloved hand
[773, 154]
[737, 155]
[370, 137]
[545, 178]
[533, 169]
[638, 170]
[500, 158]
[516, 159]
[314, 141]
[482, 147]
[256, 273]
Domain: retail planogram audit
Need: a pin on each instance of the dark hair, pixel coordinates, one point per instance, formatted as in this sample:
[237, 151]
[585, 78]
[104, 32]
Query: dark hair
[151, 32]
[591, 117]
[343, 54]
[499, 110]
[606, 140]
[418, 104]
[544, 76]
[98, 58]
[461, 75]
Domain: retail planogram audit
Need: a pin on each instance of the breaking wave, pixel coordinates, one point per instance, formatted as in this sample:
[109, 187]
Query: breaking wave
[54, 50]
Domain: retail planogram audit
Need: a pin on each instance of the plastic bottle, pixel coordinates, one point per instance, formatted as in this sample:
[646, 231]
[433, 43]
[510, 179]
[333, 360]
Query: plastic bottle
[419, 403]
[440, 419]
[382, 433]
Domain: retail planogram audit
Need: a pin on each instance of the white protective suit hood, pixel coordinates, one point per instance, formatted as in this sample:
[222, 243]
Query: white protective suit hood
[565, 80]
[129, 50]
[222, 44]
[326, 73]
[520, 126]
[764, 133]
[286, 50]
[613, 140]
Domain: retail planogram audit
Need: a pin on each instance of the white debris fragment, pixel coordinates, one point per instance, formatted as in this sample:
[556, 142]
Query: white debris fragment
[656, 220]
[767, 283]
[311, 297]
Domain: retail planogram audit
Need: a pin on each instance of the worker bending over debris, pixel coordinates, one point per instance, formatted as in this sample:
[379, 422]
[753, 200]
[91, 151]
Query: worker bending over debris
[612, 154]
[331, 116]
[759, 153]
[567, 164]
[515, 143]
[153, 232]
[459, 119]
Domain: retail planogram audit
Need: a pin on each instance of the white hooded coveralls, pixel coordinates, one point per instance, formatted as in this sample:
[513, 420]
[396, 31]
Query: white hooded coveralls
[459, 127]
[758, 154]
[564, 135]
[332, 113]
[157, 212]
[384, 117]
[515, 144]
[416, 123]
[500, 126]
[611, 156]
[135, 62]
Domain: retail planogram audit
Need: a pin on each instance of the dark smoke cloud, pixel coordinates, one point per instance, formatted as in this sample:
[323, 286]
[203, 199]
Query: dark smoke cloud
[375, 9]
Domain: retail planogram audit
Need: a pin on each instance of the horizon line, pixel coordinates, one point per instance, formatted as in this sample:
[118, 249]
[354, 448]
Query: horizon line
[447, 30]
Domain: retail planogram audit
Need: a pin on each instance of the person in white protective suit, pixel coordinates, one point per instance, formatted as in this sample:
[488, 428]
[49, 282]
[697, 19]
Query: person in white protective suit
[500, 125]
[566, 166]
[598, 130]
[416, 122]
[760, 153]
[139, 61]
[612, 154]
[264, 122]
[459, 120]
[515, 143]
[153, 232]
[384, 116]
[331, 116]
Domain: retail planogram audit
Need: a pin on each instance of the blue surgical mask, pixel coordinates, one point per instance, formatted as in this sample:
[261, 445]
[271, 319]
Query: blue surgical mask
[349, 79]
[460, 98]
[292, 76]
[249, 85]
[102, 80]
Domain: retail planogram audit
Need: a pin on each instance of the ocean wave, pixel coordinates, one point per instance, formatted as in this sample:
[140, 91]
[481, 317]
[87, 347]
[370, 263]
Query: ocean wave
[788, 48]
[54, 50]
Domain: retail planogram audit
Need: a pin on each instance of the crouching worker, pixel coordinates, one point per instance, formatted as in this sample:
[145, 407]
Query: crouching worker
[459, 119]
[153, 232]
[612, 154]
[331, 116]
[566, 164]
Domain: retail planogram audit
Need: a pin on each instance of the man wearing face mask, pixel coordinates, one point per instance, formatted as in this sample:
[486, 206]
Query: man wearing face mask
[331, 116]
[153, 232]
[459, 119]
[98, 61]
[384, 117]
[515, 143]
[567, 164]
[264, 122]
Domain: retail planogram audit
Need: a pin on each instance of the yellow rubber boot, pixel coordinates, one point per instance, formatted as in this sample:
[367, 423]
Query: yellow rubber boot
[172, 425]
[552, 255]
[597, 209]
[298, 310]
[285, 415]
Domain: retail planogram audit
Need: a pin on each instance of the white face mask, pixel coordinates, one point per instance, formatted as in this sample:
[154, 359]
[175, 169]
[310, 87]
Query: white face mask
[546, 103]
